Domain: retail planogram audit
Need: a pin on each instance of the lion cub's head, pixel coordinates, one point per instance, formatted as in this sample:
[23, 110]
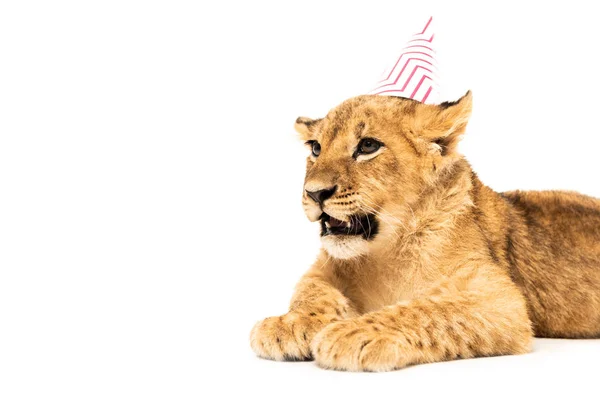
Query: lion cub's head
[370, 158]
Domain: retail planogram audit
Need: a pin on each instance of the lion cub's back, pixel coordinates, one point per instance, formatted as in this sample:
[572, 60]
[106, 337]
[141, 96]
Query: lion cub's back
[570, 218]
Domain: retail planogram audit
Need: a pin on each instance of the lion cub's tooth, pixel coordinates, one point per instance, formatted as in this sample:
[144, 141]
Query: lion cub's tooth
[348, 224]
[327, 224]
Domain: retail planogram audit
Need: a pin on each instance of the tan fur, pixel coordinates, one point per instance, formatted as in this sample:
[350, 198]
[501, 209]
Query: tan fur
[456, 269]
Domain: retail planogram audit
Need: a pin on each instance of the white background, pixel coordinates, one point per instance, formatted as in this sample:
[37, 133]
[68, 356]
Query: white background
[150, 182]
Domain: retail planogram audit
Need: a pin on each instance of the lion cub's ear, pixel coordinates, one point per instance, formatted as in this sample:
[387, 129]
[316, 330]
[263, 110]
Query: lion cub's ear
[306, 127]
[443, 124]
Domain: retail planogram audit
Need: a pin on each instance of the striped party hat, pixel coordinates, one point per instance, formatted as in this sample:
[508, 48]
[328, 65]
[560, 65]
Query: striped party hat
[414, 74]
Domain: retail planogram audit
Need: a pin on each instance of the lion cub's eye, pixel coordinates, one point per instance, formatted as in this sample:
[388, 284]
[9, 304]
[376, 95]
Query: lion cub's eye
[315, 147]
[368, 146]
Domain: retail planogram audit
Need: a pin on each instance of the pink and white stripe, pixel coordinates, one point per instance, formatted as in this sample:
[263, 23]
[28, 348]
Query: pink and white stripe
[413, 74]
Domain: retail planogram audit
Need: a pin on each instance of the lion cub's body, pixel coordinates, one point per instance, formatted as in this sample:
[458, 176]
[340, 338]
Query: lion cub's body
[455, 269]
[548, 243]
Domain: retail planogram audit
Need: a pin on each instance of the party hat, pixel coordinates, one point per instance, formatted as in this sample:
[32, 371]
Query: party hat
[414, 74]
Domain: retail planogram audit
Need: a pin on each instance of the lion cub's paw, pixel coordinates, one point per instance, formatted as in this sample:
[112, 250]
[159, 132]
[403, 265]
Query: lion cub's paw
[286, 337]
[355, 345]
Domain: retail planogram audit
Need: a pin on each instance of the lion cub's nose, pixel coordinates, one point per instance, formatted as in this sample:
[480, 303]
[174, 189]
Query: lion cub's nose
[321, 195]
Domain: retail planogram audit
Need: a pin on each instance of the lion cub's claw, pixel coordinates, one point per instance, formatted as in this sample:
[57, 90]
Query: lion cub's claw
[353, 345]
[285, 338]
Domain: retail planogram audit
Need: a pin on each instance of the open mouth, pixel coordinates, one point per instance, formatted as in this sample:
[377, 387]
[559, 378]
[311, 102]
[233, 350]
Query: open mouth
[365, 225]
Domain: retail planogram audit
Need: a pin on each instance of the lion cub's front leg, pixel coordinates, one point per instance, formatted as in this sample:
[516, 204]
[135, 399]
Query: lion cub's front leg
[432, 329]
[315, 304]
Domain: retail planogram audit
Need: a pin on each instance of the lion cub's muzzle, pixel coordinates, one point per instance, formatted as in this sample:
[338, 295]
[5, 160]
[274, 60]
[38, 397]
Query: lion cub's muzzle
[338, 222]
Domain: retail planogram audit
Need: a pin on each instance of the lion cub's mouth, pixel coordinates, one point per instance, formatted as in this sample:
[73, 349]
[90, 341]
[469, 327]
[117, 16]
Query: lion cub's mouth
[364, 225]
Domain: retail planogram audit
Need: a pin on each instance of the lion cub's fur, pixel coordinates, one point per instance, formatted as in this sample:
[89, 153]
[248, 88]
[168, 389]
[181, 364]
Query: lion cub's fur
[456, 269]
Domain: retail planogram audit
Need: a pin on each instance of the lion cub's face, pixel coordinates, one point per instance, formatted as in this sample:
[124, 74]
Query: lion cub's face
[370, 158]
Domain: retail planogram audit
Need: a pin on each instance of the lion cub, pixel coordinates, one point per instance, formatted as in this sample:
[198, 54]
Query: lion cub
[421, 262]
